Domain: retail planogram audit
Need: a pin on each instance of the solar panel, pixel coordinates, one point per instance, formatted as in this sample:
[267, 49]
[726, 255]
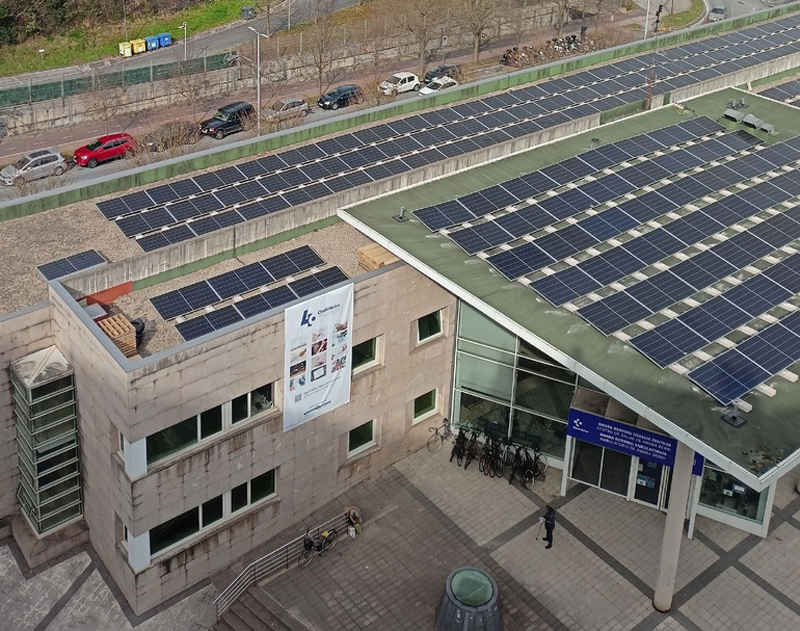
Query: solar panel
[71, 264]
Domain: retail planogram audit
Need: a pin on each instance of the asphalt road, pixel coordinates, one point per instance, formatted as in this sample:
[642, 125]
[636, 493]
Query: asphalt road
[224, 38]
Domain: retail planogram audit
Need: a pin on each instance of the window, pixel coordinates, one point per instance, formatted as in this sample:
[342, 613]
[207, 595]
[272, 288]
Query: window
[429, 326]
[424, 405]
[214, 510]
[252, 403]
[361, 438]
[172, 439]
[365, 354]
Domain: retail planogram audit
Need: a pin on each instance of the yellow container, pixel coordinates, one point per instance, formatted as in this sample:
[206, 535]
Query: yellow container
[138, 46]
[125, 49]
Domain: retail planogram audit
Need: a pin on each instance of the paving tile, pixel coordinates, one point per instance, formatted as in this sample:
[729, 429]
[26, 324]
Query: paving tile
[25, 602]
[732, 601]
[723, 535]
[786, 490]
[777, 561]
[670, 624]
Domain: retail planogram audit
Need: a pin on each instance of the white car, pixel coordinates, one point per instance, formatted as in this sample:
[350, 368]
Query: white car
[437, 85]
[717, 13]
[399, 82]
[34, 166]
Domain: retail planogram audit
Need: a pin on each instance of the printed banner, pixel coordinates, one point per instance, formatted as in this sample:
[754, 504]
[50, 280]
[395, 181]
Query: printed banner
[628, 439]
[318, 353]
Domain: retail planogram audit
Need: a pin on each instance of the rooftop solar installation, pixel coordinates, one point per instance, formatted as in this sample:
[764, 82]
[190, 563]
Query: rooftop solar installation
[239, 281]
[788, 92]
[71, 264]
[170, 213]
[259, 303]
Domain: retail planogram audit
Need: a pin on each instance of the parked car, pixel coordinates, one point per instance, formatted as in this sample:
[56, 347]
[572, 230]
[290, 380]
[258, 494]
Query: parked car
[342, 96]
[33, 166]
[286, 109]
[171, 135]
[717, 13]
[445, 70]
[228, 120]
[437, 85]
[104, 149]
[398, 83]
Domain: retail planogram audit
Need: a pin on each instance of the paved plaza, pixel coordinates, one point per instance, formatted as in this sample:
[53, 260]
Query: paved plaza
[424, 517]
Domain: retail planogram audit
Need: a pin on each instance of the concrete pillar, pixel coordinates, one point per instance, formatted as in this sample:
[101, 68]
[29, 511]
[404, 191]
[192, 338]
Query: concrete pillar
[135, 458]
[139, 551]
[673, 528]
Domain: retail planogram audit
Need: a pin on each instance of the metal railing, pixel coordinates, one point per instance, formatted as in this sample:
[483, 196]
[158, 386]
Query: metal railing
[280, 559]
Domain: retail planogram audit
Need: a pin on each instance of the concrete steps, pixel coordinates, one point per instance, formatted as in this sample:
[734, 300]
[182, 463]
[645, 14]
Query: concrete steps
[256, 610]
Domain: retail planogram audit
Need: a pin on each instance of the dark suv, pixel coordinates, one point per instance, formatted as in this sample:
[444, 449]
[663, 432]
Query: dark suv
[452, 71]
[227, 120]
[342, 96]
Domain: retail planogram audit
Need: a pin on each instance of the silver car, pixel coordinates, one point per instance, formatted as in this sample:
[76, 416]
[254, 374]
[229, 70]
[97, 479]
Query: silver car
[34, 166]
[286, 109]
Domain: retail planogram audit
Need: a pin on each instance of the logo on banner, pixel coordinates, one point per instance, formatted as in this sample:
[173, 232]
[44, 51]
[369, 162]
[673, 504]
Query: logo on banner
[307, 319]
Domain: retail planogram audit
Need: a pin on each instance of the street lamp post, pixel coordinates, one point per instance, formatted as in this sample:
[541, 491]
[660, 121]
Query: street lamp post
[258, 75]
[185, 37]
[41, 56]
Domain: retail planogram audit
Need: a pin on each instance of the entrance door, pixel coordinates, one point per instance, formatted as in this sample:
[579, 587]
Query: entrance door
[648, 482]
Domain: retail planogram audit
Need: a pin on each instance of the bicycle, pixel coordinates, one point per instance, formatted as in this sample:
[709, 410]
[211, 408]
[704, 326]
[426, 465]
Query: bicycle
[326, 540]
[459, 448]
[442, 433]
[472, 449]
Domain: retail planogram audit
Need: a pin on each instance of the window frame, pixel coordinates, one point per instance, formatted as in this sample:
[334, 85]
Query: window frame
[372, 442]
[433, 411]
[376, 355]
[439, 313]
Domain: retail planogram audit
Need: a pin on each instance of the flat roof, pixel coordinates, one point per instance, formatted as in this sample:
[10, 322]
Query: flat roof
[669, 400]
[337, 245]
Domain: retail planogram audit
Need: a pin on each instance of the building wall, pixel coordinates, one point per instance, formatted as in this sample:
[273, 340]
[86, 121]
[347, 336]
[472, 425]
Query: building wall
[312, 467]
[21, 333]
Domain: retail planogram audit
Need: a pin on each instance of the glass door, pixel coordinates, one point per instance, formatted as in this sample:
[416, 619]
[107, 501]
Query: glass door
[648, 482]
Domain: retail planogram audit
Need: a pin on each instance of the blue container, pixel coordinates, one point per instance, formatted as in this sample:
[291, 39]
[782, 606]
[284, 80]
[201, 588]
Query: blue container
[152, 42]
[164, 39]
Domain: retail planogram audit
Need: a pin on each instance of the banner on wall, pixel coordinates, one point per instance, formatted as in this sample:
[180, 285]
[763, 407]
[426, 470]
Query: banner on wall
[317, 367]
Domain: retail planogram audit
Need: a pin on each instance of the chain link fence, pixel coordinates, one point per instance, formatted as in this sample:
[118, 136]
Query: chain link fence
[72, 85]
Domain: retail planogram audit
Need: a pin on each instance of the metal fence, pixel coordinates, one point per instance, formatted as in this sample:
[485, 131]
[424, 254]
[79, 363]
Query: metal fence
[71, 85]
[281, 559]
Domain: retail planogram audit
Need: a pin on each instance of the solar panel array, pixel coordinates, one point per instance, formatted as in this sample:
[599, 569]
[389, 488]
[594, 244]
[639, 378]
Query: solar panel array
[71, 264]
[703, 250]
[259, 303]
[788, 92]
[170, 213]
[234, 283]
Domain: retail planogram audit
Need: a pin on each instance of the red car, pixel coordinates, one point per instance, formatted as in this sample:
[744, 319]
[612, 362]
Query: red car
[104, 149]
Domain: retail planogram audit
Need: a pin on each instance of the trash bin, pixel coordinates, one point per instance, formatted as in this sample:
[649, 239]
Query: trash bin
[138, 46]
[125, 49]
[151, 42]
[164, 39]
[248, 13]
[470, 602]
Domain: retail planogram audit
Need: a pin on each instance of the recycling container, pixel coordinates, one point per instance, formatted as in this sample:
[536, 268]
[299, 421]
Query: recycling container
[125, 49]
[138, 46]
[164, 39]
[151, 42]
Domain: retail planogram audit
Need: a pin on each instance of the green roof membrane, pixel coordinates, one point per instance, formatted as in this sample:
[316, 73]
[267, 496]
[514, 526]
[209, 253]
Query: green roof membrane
[752, 452]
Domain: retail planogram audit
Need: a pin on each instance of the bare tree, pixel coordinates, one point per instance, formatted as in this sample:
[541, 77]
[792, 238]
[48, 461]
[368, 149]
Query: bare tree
[374, 47]
[320, 45]
[421, 19]
[188, 89]
[561, 8]
[107, 98]
[477, 16]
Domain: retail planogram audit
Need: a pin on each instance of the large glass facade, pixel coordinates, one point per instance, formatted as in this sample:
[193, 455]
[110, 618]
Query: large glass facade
[507, 386]
[723, 492]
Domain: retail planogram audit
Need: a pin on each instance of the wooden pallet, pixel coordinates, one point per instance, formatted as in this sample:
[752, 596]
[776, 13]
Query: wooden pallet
[374, 256]
[121, 332]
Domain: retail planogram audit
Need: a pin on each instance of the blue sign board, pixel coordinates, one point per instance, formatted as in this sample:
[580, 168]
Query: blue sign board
[697, 465]
[628, 439]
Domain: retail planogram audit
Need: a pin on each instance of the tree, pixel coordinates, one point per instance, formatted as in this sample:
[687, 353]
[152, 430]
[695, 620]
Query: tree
[477, 16]
[561, 7]
[421, 19]
[320, 45]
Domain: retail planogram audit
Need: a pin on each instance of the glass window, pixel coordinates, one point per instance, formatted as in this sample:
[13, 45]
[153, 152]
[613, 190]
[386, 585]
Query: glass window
[261, 399]
[484, 377]
[174, 530]
[240, 408]
[424, 404]
[262, 486]
[531, 429]
[212, 511]
[586, 462]
[239, 497]
[168, 441]
[365, 353]
[360, 437]
[543, 395]
[483, 414]
[725, 493]
[429, 326]
[211, 422]
[475, 326]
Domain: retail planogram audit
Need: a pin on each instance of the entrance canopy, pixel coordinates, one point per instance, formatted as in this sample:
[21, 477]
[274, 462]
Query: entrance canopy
[544, 282]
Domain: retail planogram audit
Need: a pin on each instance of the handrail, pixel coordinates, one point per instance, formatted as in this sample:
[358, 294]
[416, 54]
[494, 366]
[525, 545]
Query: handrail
[279, 559]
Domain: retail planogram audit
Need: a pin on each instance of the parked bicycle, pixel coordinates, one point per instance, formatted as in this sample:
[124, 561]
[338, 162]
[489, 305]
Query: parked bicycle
[472, 449]
[459, 448]
[441, 434]
[313, 546]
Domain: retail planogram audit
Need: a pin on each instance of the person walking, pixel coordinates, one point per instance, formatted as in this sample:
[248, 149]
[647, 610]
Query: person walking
[549, 526]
